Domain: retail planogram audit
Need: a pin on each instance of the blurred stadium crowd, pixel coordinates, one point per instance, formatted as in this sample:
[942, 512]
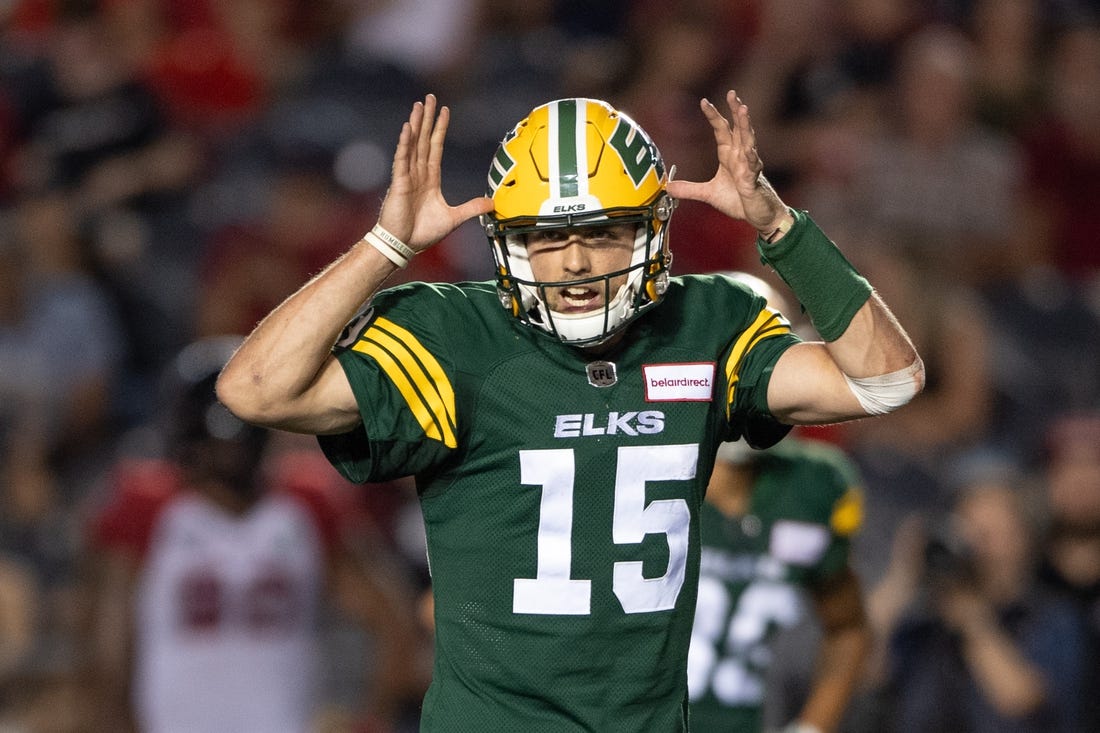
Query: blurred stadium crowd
[172, 169]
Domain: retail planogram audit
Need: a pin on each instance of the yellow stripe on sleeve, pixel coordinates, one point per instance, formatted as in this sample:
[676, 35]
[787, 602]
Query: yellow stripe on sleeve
[768, 323]
[393, 371]
[417, 376]
[435, 371]
[428, 393]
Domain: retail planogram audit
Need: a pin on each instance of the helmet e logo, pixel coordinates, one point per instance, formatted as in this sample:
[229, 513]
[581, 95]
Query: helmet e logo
[501, 167]
[636, 152]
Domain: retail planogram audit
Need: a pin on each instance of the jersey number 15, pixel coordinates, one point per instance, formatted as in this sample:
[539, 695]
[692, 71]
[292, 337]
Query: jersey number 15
[553, 590]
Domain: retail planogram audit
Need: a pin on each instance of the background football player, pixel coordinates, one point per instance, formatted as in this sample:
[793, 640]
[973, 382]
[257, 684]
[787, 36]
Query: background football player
[214, 563]
[776, 526]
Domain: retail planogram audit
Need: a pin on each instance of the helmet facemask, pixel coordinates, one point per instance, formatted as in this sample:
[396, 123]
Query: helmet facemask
[579, 163]
[646, 277]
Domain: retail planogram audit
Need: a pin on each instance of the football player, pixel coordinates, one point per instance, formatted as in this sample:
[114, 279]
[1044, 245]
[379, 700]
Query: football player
[776, 524]
[213, 563]
[562, 421]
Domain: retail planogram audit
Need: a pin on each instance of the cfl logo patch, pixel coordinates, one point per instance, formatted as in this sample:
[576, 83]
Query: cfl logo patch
[601, 373]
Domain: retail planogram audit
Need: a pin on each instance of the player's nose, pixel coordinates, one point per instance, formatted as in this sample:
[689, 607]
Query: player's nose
[575, 256]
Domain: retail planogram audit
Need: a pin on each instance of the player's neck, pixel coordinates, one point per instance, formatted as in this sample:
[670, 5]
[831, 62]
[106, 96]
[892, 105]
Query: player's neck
[603, 349]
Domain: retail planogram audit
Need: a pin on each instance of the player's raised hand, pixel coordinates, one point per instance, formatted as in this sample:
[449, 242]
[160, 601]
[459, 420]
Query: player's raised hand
[414, 209]
[738, 188]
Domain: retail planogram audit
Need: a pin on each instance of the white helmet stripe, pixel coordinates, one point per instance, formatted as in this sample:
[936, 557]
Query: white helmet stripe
[552, 139]
[580, 146]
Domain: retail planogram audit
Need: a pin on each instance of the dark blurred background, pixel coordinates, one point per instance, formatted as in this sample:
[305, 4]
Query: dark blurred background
[172, 169]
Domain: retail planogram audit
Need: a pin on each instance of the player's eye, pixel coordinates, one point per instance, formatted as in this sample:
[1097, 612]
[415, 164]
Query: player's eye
[595, 236]
[548, 237]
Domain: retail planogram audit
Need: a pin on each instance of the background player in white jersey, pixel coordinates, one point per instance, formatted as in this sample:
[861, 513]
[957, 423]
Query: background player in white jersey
[562, 421]
[213, 569]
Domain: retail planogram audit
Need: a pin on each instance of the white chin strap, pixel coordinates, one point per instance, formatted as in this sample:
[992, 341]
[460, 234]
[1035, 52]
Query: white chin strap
[588, 326]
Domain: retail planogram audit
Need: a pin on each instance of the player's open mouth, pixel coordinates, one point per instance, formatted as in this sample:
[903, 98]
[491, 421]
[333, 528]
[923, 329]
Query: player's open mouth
[578, 299]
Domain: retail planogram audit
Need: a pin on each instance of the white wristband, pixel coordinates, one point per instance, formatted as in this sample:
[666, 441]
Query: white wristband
[398, 246]
[391, 254]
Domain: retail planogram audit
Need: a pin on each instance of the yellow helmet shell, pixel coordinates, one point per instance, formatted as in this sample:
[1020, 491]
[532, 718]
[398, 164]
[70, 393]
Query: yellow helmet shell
[570, 163]
[574, 158]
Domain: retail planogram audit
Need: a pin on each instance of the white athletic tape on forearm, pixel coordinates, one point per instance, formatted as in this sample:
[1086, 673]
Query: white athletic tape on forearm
[887, 392]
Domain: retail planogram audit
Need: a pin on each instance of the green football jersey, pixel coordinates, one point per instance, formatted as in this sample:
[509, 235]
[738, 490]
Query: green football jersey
[560, 491]
[806, 503]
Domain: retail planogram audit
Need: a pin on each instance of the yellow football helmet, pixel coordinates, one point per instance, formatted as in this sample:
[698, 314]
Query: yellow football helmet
[571, 163]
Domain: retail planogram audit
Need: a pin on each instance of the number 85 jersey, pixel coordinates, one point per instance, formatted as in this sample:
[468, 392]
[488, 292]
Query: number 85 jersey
[794, 536]
[560, 490]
